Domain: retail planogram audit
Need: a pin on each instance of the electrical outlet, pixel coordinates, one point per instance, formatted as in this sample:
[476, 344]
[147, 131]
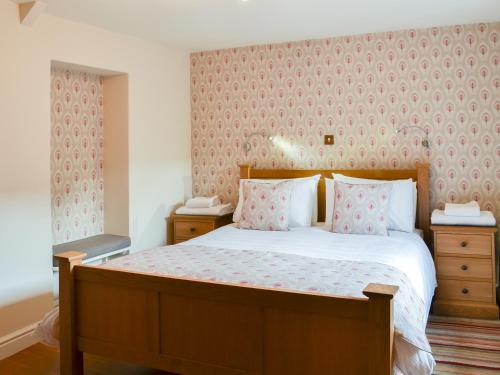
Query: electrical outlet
[329, 139]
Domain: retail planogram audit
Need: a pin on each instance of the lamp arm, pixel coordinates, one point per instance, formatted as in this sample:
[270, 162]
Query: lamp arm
[247, 146]
[412, 127]
[253, 134]
[425, 141]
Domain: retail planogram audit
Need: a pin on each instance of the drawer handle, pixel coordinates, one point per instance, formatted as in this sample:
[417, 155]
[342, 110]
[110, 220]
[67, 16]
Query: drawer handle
[465, 290]
[464, 267]
[192, 229]
[463, 243]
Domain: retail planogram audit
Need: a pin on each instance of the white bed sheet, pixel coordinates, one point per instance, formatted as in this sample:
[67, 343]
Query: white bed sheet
[405, 251]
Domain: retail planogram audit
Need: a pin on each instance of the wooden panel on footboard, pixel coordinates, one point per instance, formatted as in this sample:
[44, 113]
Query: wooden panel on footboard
[200, 328]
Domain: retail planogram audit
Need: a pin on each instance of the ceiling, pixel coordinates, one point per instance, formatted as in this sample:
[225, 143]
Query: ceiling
[212, 24]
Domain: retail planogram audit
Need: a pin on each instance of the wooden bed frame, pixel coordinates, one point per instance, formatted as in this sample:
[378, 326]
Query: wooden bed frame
[191, 327]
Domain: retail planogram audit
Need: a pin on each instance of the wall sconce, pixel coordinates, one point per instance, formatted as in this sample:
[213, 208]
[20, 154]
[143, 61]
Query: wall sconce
[247, 145]
[426, 142]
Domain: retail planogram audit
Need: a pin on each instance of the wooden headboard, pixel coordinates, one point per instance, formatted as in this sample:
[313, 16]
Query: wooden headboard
[420, 174]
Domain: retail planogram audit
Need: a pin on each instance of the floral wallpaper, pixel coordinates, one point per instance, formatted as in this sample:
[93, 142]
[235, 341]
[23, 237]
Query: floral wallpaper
[77, 184]
[361, 89]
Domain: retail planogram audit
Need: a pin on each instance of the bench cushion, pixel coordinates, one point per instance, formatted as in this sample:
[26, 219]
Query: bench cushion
[93, 246]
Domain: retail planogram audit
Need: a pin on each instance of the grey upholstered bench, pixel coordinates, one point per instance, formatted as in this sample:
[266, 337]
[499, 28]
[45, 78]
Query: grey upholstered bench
[98, 247]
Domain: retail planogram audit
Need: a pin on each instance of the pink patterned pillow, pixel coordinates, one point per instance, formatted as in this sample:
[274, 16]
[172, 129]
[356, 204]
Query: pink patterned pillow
[266, 206]
[361, 209]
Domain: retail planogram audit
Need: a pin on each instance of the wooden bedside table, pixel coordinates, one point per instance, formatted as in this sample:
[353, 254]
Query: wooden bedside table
[465, 265]
[185, 227]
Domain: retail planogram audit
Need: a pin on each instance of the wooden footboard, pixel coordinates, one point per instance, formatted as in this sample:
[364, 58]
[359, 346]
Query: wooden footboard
[200, 328]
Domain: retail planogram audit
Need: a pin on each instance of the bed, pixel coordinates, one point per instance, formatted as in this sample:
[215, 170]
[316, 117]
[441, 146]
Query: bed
[131, 309]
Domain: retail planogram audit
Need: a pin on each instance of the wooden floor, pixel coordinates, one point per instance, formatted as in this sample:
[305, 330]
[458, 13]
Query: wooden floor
[41, 360]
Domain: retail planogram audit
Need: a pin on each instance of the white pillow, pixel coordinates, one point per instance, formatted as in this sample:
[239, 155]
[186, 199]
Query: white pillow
[304, 200]
[329, 191]
[402, 204]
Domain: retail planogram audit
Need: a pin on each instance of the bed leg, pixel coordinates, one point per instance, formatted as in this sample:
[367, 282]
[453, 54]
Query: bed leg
[71, 359]
[381, 327]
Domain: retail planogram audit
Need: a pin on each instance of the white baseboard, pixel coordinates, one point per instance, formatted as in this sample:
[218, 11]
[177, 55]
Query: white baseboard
[17, 341]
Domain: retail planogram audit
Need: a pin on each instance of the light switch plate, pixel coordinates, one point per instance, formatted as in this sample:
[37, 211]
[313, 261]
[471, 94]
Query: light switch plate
[329, 139]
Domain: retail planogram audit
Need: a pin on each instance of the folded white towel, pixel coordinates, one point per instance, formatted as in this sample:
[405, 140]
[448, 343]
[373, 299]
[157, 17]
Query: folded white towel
[218, 210]
[203, 202]
[462, 209]
[485, 219]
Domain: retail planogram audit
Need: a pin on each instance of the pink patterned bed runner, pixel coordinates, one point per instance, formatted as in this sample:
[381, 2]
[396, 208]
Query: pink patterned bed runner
[285, 272]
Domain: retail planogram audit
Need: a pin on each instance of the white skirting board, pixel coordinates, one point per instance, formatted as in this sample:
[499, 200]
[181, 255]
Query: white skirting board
[17, 341]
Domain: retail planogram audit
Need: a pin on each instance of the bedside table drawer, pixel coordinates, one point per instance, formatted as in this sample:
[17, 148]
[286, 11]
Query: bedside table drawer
[465, 290]
[463, 244]
[464, 267]
[187, 229]
[181, 228]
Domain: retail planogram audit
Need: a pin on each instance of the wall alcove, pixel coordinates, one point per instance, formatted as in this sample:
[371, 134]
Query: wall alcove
[89, 153]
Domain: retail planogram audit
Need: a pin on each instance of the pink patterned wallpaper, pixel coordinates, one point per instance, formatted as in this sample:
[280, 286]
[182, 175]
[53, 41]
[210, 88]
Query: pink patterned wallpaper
[77, 184]
[360, 89]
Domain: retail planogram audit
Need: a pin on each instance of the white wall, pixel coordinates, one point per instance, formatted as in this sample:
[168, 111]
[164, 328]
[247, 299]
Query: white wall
[159, 145]
[116, 178]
